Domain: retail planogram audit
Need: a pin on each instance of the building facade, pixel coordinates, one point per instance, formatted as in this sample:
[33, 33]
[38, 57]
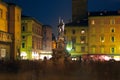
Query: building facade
[104, 34]
[31, 38]
[10, 33]
[100, 36]
[5, 42]
[76, 32]
[47, 37]
[76, 37]
[47, 41]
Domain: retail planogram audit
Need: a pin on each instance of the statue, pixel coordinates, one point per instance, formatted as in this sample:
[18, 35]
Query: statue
[59, 53]
[61, 28]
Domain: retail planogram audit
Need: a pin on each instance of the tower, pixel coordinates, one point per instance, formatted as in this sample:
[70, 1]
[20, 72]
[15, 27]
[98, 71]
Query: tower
[79, 9]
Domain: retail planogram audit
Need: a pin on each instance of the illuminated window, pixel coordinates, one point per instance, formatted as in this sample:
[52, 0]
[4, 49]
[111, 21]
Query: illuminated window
[102, 39]
[92, 22]
[82, 31]
[1, 13]
[82, 39]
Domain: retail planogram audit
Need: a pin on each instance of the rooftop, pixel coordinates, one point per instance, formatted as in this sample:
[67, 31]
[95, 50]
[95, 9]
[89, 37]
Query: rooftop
[83, 22]
[24, 17]
[104, 13]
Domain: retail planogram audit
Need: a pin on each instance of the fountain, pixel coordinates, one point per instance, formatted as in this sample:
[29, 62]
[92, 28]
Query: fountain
[60, 53]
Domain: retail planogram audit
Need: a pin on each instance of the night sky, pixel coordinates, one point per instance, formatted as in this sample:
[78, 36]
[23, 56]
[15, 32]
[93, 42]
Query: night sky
[49, 11]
